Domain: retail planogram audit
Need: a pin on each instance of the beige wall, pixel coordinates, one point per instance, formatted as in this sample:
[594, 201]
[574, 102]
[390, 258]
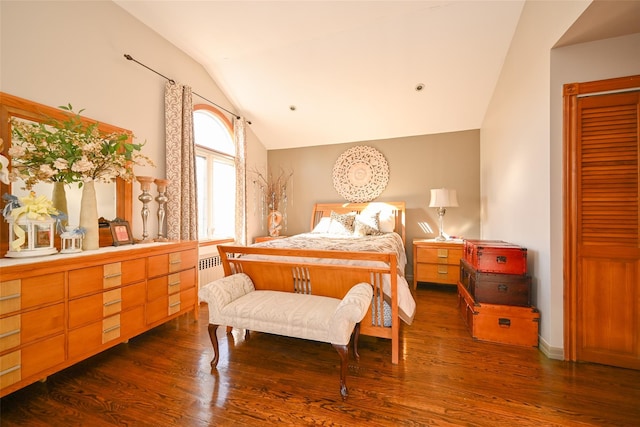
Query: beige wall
[73, 52]
[416, 164]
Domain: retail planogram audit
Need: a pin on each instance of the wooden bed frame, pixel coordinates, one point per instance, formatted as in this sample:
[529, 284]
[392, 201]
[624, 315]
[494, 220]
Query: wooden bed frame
[309, 273]
[283, 279]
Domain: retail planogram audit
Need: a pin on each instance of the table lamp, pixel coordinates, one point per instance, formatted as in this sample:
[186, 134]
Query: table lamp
[442, 199]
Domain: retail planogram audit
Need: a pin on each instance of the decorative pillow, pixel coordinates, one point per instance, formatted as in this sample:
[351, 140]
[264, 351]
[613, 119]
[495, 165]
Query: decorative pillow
[341, 224]
[322, 226]
[367, 225]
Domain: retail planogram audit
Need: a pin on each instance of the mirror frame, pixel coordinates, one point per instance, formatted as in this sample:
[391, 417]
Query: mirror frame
[11, 106]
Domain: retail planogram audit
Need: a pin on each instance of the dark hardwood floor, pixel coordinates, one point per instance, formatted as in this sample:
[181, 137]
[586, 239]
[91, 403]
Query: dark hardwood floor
[445, 378]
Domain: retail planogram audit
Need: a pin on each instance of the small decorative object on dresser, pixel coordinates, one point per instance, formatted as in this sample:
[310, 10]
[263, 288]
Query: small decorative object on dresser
[71, 240]
[32, 222]
[162, 199]
[436, 261]
[145, 198]
[121, 232]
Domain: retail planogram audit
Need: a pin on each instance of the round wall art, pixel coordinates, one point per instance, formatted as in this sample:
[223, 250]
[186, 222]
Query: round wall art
[360, 174]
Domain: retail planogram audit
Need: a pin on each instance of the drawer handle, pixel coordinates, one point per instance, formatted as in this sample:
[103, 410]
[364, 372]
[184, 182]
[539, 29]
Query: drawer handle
[111, 276]
[174, 304]
[113, 328]
[9, 370]
[8, 297]
[504, 323]
[174, 283]
[8, 334]
[501, 259]
[503, 288]
[175, 261]
[115, 301]
[443, 270]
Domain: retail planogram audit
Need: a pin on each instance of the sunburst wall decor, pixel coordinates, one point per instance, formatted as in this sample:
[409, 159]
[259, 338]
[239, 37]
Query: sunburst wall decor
[360, 174]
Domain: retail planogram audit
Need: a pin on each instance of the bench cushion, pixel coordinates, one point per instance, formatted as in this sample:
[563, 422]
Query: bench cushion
[283, 313]
[233, 301]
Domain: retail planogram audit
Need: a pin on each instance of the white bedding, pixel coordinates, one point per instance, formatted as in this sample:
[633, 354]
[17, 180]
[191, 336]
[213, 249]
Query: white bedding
[387, 242]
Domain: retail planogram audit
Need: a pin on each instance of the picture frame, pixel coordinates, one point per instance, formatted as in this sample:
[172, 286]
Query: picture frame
[121, 232]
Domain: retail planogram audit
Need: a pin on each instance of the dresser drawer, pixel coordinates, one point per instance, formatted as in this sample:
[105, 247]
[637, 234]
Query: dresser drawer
[133, 322]
[170, 284]
[30, 360]
[437, 273]
[29, 326]
[157, 309]
[91, 337]
[31, 292]
[168, 305]
[188, 298]
[94, 279]
[439, 255]
[169, 263]
[104, 304]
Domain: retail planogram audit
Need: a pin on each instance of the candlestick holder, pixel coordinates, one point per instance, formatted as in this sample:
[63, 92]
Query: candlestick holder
[161, 198]
[145, 198]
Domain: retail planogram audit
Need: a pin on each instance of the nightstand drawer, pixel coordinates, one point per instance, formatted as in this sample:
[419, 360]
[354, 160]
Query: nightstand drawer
[440, 255]
[437, 273]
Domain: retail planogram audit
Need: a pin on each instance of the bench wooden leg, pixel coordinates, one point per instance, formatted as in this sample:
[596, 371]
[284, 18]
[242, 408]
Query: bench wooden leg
[343, 352]
[356, 335]
[214, 342]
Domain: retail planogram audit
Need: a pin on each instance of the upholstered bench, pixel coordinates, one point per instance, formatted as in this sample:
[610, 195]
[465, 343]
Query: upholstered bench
[233, 301]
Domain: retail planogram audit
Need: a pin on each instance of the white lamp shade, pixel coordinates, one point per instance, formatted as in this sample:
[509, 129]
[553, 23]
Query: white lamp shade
[443, 198]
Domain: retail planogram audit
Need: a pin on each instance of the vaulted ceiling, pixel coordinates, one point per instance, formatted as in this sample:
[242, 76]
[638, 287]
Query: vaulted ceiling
[324, 72]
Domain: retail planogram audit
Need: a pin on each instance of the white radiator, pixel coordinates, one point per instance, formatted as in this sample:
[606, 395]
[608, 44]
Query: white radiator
[209, 269]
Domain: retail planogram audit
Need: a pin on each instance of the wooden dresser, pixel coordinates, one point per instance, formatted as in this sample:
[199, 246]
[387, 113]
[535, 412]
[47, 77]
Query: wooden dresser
[437, 261]
[60, 309]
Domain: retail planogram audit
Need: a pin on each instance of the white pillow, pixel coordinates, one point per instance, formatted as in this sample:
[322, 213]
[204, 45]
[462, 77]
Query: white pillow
[387, 221]
[322, 226]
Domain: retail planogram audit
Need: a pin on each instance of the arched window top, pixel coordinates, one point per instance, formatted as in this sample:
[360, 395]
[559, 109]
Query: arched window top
[213, 130]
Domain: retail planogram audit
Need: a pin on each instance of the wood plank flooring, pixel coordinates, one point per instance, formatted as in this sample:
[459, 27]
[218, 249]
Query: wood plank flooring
[445, 378]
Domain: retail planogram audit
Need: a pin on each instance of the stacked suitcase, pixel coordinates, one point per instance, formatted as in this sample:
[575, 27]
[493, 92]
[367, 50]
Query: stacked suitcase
[494, 293]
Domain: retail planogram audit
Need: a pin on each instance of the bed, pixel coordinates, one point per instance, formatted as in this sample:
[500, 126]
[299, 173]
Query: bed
[377, 227]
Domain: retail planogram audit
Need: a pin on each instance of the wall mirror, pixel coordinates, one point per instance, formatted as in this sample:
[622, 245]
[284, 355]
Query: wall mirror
[114, 200]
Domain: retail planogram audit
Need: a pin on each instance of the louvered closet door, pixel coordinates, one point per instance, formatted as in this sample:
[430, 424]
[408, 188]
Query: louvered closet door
[607, 232]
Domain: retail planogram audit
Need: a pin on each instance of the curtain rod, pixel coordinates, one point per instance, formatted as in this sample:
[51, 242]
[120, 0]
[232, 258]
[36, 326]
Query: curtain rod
[130, 58]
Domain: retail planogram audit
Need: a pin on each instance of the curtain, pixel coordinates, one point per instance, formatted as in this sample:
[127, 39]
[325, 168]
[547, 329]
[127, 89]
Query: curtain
[241, 180]
[182, 205]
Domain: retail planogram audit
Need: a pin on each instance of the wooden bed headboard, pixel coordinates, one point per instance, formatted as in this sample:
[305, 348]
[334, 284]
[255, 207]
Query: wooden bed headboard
[397, 209]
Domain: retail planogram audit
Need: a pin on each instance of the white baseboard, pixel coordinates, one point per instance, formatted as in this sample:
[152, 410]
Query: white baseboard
[556, 353]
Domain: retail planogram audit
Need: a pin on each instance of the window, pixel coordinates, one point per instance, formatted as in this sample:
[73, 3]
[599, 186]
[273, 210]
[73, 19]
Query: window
[215, 173]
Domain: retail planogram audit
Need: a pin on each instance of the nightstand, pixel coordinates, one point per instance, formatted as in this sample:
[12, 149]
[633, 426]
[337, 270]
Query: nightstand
[267, 238]
[437, 261]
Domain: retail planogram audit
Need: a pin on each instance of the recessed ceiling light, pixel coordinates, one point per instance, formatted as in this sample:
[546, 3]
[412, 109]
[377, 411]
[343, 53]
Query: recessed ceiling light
[419, 87]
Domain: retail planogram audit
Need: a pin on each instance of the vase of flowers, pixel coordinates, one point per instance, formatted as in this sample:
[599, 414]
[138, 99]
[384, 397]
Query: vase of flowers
[73, 151]
[273, 198]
